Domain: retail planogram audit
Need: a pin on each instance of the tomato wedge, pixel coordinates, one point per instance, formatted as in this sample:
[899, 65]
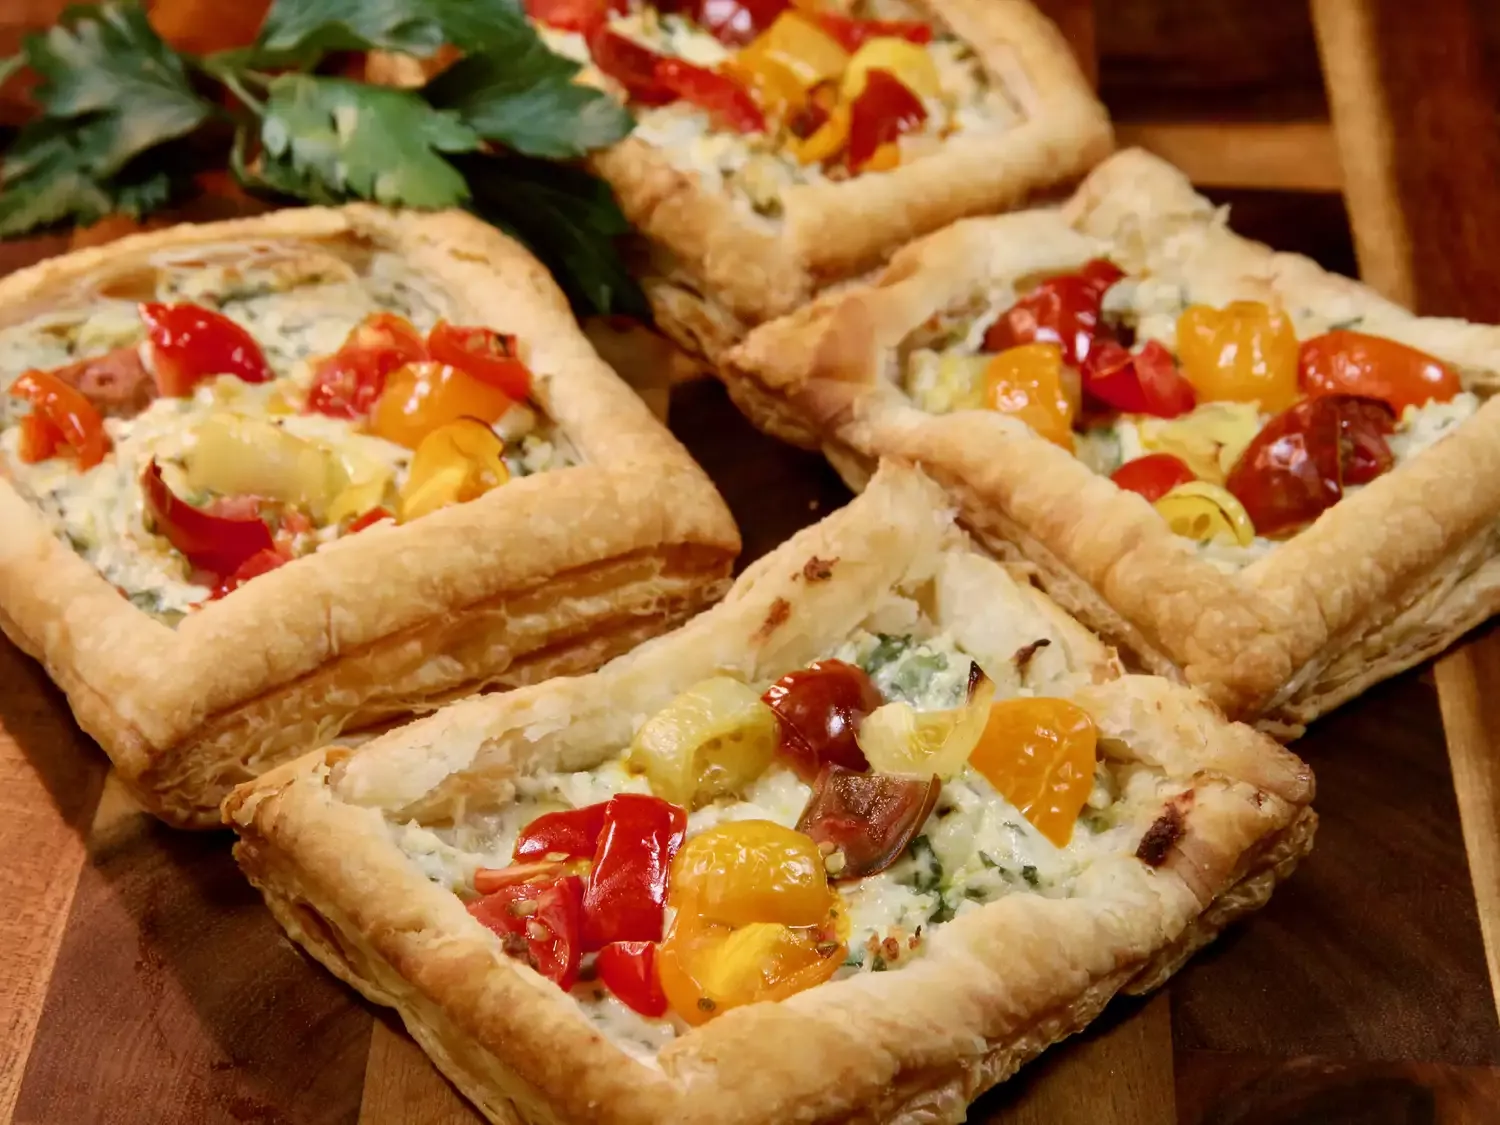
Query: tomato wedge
[39, 438]
[212, 543]
[631, 65]
[1147, 382]
[66, 416]
[819, 708]
[1298, 464]
[869, 817]
[569, 832]
[117, 382]
[852, 34]
[1153, 476]
[574, 15]
[883, 111]
[190, 343]
[262, 562]
[487, 355]
[727, 102]
[1061, 310]
[1343, 362]
[370, 519]
[627, 888]
[628, 969]
[736, 22]
[538, 923]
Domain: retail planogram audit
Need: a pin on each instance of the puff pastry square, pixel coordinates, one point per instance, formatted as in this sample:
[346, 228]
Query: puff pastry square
[994, 942]
[742, 230]
[1280, 630]
[554, 571]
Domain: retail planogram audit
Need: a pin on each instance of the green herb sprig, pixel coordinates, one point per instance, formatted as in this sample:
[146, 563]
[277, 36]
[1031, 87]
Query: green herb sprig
[126, 122]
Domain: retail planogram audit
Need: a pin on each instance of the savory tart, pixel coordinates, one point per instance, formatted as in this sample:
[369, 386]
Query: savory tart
[854, 844]
[1251, 474]
[266, 481]
[782, 145]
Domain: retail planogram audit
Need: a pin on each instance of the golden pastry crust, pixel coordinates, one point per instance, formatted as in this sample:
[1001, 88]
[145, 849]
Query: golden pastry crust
[729, 269]
[553, 572]
[997, 985]
[1391, 574]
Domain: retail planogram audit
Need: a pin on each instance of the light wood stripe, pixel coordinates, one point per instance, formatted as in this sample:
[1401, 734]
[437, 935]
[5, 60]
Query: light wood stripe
[1279, 156]
[1468, 679]
[403, 1087]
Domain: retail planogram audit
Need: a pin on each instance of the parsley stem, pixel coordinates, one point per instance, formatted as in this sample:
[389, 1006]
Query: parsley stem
[233, 81]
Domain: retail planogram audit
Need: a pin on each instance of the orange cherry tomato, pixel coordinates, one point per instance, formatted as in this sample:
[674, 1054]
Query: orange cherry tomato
[1153, 476]
[68, 416]
[1344, 362]
[1244, 352]
[422, 396]
[1027, 382]
[488, 356]
[751, 871]
[1039, 753]
[707, 969]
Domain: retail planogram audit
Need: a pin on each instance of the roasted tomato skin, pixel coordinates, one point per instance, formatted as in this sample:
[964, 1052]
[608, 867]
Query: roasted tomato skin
[819, 708]
[487, 355]
[569, 832]
[214, 543]
[1147, 382]
[1062, 310]
[545, 936]
[1298, 464]
[190, 343]
[883, 111]
[628, 969]
[63, 414]
[736, 22]
[868, 818]
[852, 34]
[574, 15]
[627, 889]
[1153, 476]
[1344, 362]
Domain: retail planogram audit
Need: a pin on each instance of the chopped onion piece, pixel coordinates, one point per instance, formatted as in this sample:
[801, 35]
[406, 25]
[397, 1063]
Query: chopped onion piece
[897, 738]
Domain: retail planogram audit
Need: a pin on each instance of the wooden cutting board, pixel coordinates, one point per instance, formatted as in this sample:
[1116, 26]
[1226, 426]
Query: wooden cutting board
[141, 980]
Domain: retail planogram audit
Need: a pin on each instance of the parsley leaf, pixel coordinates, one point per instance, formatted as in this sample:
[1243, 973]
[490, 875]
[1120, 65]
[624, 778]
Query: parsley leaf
[327, 139]
[106, 67]
[569, 219]
[527, 100]
[417, 27]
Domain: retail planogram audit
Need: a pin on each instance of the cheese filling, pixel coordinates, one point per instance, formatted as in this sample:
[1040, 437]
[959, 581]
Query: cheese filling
[297, 311]
[974, 848]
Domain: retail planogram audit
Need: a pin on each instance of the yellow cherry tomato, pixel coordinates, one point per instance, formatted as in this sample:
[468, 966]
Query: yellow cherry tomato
[775, 88]
[1244, 352]
[799, 47]
[826, 141]
[910, 63]
[454, 464]
[1028, 382]
[422, 396]
[711, 741]
[708, 969]
[1205, 512]
[885, 157]
[1039, 754]
[751, 871]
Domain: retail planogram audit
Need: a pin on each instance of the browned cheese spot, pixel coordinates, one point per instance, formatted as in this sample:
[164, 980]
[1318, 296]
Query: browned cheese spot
[818, 570]
[1160, 837]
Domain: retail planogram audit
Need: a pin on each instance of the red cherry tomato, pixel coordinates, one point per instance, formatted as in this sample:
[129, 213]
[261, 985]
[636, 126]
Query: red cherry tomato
[631, 65]
[40, 439]
[1298, 464]
[370, 519]
[1344, 362]
[627, 889]
[1061, 310]
[385, 331]
[190, 343]
[262, 562]
[852, 33]
[727, 102]
[213, 543]
[628, 969]
[1147, 382]
[869, 817]
[574, 15]
[1153, 476]
[544, 936]
[348, 383]
[66, 416]
[736, 22]
[883, 111]
[488, 356]
[820, 708]
[570, 832]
